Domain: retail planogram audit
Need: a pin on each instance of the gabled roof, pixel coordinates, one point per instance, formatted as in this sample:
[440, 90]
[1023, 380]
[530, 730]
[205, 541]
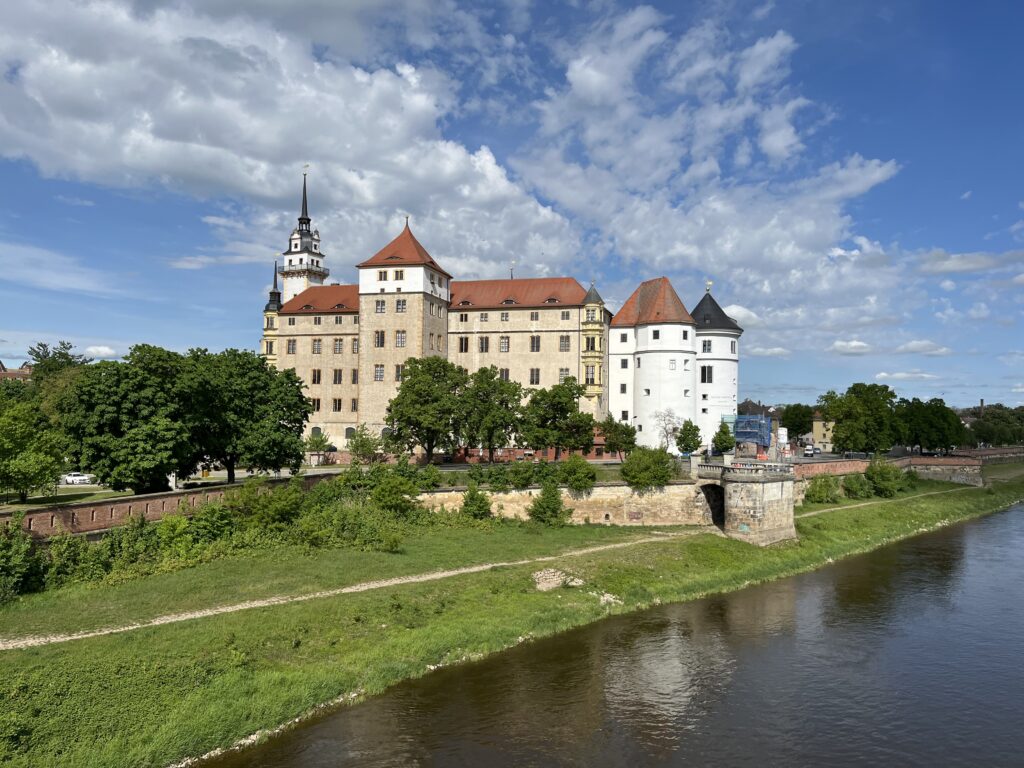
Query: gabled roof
[529, 292]
[654, 301]
[404, 250]
[324, 298]
[709, 316]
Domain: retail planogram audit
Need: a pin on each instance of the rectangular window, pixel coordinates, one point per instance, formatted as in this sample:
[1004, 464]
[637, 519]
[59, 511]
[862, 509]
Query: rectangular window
[382, 275]
[563, 374]
[624, 362]
[317, 320]
[656, 334]
[485, 343]
[338, 376]
[337, 404]
[591, 315]
[316, 404]
[399, 338]
[440, 343]
[355, 319]
[270, 322]
[563, 343]
[706, 375]
[483, 317]
[503, 374]
[355, 405]
[380, 306]
[504, 317]
[503, 343]
[535, 375]
[399, 372]
[732, 347]
[535, 315]
[671, 365]
[622, 389]
[686, 334]
[704, 397]
[270, 347]
[463, 317]
[399, 274]
[355, 346]
[318, 345]
[647, 393]
[591, 343]
[338, 319]
[638, 362]
[378, 339]
[565, 314]
[355, 375]
[625, 416]
[535, 343]
[314, 377]
[703, 410]
[291, 321]
[589, 375]
[705, 346]
[463, 343]
[289, 346]
[431, 341]
[339, 346]
[378, 372]
[623, 337]
[401, 303]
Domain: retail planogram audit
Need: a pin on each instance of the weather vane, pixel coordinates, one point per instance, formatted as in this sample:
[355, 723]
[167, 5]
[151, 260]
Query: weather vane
[707, 286]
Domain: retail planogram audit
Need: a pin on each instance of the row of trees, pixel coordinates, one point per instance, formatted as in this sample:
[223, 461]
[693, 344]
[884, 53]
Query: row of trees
[995, 424]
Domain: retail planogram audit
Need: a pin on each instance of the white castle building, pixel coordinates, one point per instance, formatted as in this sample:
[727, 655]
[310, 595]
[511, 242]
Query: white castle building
[349, 343]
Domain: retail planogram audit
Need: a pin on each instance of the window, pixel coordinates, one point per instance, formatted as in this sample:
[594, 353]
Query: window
[315, 376]
[535, 343]
[399, 338]
[440, 343]
[337, 404]
[318, 320]
[686, 393]
[588, 377]
[290, 346]
[503, 343]
[625, 416]
[563, 343]
[647, 393]
[463, 343]
[378, 339]
[483, 317]
[591, 343]
[703, 410]
[338, 319]
[623, 337]
[316, 404]
[399, 274]
[355, 375]
[705, 346]
[463, 317]
[656, 335]
[339, 346]
[624, 362]
[291, 321]
[399, 372]
[431, 341]
[565, 314]
[638, 362]
[732, 347]
[706, 375]
[382, 275]
[400, 306]
[704, 397]
[484, 343]
[317, 346]
[378, 372]
[563, 374]
[270, 347]
[338, 377]
[686, 334]
[355, 404]
[535, 315]
[622, 389]
[639, 427]
[380, 306]
[355, 319]
[504, 317]
[535, 375]
[355, 346]
[503, 374]
[270, 322]
[591, 315]
[671, 365]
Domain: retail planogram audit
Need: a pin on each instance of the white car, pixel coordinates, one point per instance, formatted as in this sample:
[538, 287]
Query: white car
[808, 451]
[76, 478]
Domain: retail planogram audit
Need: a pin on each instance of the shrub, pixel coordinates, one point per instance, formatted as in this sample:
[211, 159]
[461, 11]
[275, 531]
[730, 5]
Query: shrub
[544, 471]
[497, 478]
[476, 503]
[857, 487]
[647, 468]
[476, 474]
[403, 468]
[909, 480]
[547, 507]
[255, 505]
[348, 523]
[520, 474]
[578, 475]
[174, 533]
[429, 478]
[20, 564]
[823, 489]
[213, 521]
[396, 495]
[886, 479]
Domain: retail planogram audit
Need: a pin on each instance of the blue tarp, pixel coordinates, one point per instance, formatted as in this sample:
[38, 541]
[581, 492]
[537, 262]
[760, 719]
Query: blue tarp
[753, 429]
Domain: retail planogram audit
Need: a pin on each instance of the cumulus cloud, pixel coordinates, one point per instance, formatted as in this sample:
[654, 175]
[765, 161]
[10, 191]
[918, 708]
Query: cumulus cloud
[100, 352]
[905, 376]
[923, 347]
[979, 311]
[947, 285]
[745, 317]
[851, 347]
[767, 351]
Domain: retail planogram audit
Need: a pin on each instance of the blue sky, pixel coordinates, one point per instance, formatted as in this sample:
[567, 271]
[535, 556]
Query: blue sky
[849, 178]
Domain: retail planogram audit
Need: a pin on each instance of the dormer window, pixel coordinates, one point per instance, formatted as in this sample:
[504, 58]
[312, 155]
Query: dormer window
[465, 303]
[509, 301]
[295, 246]
[551, 300]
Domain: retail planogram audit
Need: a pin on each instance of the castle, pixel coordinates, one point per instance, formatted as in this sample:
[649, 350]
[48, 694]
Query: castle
[349, 343]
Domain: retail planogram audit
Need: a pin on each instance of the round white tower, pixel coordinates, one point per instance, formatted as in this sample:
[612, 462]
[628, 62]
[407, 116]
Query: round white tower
[717, 374]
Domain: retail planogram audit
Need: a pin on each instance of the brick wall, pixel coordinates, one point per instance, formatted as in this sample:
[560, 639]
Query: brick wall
[844, 467]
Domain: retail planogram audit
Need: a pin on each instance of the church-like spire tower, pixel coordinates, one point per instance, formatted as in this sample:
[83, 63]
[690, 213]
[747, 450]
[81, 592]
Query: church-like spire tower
[274, 303]
[303, 261]
[304, 216]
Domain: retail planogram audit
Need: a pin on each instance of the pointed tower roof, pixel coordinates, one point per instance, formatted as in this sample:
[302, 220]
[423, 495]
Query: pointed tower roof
[593, 297]
[711, 317]
[654, 301]
[274, 300]
[304, 216]
[404, 250]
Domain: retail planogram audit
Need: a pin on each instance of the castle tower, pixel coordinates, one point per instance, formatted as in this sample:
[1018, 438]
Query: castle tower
[303, 262]
[271, 322]
[717, 363]
[403, 312]
[594, 355]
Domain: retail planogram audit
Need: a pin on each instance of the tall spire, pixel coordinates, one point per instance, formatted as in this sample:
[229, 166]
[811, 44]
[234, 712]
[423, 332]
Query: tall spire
[275, 276]
[274, 302]
[304, 216]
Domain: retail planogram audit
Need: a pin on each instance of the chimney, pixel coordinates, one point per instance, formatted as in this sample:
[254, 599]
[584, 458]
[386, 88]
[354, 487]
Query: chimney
[981, 415]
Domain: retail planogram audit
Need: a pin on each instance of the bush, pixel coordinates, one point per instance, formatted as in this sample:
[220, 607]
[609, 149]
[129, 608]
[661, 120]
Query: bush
[647, 468]
[886, 479]
[520, 474]
[857, 487]
[497, 478]
[547, 507]
[823, 489]
[578, 475]
[544, 471]
[429, 478]
[909, 480]
[254, 503]
[396, 495]
[476, 474]
[476, 503]
[348, 523]
[20, 564]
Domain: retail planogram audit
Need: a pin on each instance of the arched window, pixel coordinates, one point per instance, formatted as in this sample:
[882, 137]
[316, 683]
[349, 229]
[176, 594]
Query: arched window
[316, 431]
[349, 432]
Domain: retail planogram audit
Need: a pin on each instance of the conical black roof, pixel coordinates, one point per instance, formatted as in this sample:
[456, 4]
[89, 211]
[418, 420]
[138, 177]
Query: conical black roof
[593, 297]
[709, 316]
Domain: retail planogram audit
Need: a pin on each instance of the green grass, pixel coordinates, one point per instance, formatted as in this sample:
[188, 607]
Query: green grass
[66, 494]
[1002, 472]
[152, 696]
[922, 487]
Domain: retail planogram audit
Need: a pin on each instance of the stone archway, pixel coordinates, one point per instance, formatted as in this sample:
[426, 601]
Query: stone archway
[714, 495]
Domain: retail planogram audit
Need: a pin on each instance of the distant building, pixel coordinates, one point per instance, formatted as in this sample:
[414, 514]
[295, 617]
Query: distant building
[23, 373]
[822, 433]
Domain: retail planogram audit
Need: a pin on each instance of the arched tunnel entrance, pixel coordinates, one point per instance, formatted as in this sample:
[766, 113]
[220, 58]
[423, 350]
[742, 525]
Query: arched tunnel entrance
[715, 496]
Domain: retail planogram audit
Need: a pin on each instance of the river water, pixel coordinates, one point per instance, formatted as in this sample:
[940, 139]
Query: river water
[910, 655]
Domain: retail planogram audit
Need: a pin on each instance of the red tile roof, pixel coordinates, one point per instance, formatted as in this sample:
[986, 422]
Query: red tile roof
[403, 250]
[324, 298]
[529, 292]
[24, 373]
[654, 301]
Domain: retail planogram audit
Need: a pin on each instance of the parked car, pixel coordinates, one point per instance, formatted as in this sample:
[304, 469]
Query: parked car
[76, 478]
[817, 450]
[808, 451]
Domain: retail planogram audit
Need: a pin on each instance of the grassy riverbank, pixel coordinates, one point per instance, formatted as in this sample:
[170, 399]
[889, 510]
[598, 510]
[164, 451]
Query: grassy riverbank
[155, 695]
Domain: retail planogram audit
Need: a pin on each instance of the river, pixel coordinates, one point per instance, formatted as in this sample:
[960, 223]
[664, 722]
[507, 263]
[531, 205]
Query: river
[909, 655]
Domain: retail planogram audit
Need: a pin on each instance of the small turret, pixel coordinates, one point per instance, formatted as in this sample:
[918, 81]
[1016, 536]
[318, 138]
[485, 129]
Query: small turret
[274, 303]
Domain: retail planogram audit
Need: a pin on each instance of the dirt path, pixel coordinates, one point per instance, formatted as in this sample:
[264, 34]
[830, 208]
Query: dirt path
[32, 641]
[862, 504]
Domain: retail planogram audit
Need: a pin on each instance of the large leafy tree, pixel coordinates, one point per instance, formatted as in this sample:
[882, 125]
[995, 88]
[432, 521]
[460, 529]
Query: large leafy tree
[619, 437]
[491, 410]
[552, 419]
[48, 362]
[864, 416]
[797, 418]
[31, 455]
[688, 437]
[928, 424]
[427, 410]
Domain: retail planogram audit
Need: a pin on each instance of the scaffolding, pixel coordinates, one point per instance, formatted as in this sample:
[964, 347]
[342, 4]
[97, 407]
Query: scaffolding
[753, 429]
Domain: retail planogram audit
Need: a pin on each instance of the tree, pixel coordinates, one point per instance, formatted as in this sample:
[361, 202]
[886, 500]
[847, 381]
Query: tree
[491, 410]
[688, 437]
[619, 437]
[798, 419]
[666, 423]
[928, 425]
[547, 507]
[31, 455]
[427, 409]
[578, 475]
[723, 441]
[552, 419]
[647, 468]
[476, 503]
[49, 361]
[363, 446]
[317, 444]
[864, 416]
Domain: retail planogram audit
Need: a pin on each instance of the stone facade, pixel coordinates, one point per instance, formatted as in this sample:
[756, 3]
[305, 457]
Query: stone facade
[759, 510]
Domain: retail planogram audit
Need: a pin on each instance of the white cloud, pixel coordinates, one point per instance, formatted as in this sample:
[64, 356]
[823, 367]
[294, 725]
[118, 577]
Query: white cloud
[80, 202]
[852, 347]
[101, 352]
[947, 285]
[766, 351]
[923, 347]
[1018, 389]
[1019, 279]
[966, 195]
[745, 317]
[42, 268]
[765, 62]
[979, 311]
[905, 376]
[939, 261]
